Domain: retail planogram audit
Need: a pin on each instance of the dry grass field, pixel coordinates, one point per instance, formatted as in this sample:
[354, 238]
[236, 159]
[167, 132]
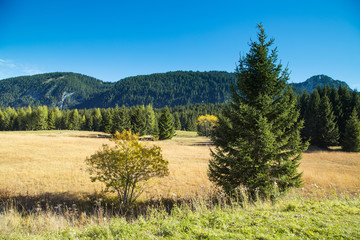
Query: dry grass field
[33, 163]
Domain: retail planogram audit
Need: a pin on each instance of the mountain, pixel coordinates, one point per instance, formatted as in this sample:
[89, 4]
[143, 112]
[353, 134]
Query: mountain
[59, 89]
[319, 80]
[72, 90]
[167, 89]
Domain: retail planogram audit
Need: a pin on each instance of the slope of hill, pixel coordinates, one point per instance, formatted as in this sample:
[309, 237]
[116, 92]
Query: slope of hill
[71, 90]
[319, 80]
[63, 90]
[171, 89]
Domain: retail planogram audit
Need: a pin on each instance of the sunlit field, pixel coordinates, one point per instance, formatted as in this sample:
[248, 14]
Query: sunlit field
[34, 163]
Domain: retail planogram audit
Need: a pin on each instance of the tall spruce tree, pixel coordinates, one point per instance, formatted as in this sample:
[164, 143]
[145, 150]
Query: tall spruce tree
[166, 125]
[351, 142]
[346, 108]
[39, 118]
[305, 114]
[74, 120]
[311, 119]
[138, 119]
[107, 122]
[97, 119]
[51, 120]
[327, 132]
[335, 103]
[121, 119]
[150, 121]
[177, 121]
[257, 139]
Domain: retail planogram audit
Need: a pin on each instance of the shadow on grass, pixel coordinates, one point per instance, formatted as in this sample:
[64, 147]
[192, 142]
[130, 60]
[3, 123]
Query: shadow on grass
[97, 204]
[313, 148]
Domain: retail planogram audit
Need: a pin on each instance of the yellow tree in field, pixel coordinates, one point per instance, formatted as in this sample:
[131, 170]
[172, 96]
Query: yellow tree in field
[205, 124]
[127, 166]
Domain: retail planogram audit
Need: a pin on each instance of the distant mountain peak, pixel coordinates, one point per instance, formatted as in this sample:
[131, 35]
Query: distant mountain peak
[318, 80]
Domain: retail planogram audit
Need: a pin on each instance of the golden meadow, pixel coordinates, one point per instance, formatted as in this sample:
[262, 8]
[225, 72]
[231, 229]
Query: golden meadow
[40, 162]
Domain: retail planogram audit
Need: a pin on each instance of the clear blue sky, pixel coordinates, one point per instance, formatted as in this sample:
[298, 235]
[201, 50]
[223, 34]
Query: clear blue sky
[111, 40]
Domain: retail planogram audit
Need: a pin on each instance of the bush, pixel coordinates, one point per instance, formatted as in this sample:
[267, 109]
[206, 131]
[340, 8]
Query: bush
[126, 167]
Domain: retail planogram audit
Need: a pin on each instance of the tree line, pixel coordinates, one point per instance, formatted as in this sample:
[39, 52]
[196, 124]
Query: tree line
[139, 119]
[327, 112]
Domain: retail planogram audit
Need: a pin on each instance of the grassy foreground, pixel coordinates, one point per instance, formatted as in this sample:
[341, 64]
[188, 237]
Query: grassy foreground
[44, 191]
[292, 218]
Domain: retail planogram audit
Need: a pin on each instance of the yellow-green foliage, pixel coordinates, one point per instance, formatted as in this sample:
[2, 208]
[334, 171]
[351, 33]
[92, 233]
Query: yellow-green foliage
[206, 124]
[127, 166]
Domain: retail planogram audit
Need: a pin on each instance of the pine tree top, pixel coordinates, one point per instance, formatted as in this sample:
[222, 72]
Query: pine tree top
[259, 73]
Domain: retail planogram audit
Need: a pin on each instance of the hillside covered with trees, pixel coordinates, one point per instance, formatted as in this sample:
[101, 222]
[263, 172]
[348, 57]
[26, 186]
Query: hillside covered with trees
[71, 90]
[168, 89]
[63, 90]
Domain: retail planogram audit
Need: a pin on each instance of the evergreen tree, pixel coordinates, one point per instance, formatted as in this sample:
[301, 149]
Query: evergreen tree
[65, 119]
[257, 139]
[22, 118]
[116, 120]
[327, 132]
[304, 102]
[335, 103]
[138, 119]
[121, 119]
[351, 142]
[28, 121]
[90, 123]
[74, 120]
[83, 122]
[355, 101]
[345, 100]
[12, 115]
[15, 121]
[58, 117]
[150, 120]
[97, 119]
[190, 121]
[51, 120]
[3, 121]
[177, 121]
[39, 118]
[155, 130]
[107, 122]
[166, 125]
[311, 118]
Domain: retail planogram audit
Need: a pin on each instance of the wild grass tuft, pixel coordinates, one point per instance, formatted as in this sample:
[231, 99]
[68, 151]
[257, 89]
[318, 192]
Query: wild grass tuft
[214, 217]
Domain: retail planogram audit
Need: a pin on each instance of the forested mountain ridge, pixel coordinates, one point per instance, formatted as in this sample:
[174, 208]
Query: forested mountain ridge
[168, 89]
[59, 89]
[72, 90]
[318, 80]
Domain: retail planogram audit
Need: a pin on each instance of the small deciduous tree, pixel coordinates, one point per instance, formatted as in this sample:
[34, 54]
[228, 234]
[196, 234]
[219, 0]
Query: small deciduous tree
[126, 167]
[206, 124]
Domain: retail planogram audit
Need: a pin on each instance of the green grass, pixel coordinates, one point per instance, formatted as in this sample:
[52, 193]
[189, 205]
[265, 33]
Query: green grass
[179, 133]
[294, 218]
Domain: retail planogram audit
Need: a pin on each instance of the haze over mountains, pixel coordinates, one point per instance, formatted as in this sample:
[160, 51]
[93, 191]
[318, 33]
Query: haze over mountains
[72, 90]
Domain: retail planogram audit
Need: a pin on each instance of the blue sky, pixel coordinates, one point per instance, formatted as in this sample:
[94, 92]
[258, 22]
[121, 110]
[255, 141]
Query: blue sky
[111, 40]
